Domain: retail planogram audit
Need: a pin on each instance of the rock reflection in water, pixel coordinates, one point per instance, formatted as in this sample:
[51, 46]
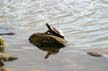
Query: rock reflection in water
[50, 50]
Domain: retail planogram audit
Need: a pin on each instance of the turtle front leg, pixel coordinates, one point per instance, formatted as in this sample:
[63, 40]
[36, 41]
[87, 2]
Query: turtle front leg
[47, 32]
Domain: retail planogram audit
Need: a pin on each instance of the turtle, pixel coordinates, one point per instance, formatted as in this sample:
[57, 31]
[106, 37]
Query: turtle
[54, 31]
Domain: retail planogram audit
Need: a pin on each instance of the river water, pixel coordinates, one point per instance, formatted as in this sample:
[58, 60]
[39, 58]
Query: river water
[84, 22]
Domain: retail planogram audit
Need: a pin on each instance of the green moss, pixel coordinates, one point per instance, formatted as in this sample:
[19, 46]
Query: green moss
[2, 49]
[2, 42]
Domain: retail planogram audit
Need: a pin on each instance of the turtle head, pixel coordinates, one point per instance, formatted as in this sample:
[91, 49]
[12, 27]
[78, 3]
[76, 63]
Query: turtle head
[48, 26]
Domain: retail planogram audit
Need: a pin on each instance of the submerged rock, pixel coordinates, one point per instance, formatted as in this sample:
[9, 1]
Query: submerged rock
[99, 52]
[9, 33]
[5, 58]
[95, 54]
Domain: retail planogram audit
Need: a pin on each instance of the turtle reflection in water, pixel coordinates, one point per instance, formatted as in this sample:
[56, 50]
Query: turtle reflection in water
[51, 41]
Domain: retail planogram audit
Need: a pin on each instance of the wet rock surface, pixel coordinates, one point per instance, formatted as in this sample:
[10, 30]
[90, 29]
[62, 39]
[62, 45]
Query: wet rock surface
[45, 40]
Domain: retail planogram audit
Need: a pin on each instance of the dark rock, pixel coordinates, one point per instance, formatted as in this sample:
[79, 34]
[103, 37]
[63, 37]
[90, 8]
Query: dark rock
[47, 42]
[10, 33]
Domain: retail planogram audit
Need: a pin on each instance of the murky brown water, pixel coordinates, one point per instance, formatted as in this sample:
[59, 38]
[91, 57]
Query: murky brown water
[84, 22]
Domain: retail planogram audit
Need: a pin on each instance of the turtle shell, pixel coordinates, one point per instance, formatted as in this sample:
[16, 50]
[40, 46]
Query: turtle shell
[55, 31]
